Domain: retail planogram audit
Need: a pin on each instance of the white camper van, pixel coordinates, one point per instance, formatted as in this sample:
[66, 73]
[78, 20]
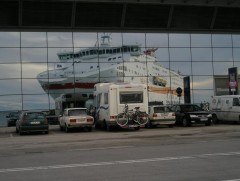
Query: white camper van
[114, 102]
[225, 108]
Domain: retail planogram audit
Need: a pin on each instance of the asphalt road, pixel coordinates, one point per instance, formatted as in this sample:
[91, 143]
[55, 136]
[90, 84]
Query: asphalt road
[198, 153]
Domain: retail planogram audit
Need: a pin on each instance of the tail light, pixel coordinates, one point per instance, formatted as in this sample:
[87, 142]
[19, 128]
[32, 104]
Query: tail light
[72, 120]
[154, 115]
[89, 120]
[113, 117]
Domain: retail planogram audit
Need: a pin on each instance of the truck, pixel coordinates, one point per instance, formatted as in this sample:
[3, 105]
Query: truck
[225, 108]
[114, 101]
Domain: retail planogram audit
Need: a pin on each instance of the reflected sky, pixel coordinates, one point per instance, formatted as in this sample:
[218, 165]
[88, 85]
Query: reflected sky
[24, 55]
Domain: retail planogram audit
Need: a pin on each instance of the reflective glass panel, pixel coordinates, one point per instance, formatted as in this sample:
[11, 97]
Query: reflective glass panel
[180, 54]
[10, 86]
[156, 40]
[9, 39]
[200, 40]
[9, 55]
[221, 68]
[37, 101]
[179, 40]
[222, 54]
[201, 54]
[8, 71]
[202, 82]
[221, 40]
[33, 39]
[202, 68]
[34, 54]
[31, 70]
[59, 39]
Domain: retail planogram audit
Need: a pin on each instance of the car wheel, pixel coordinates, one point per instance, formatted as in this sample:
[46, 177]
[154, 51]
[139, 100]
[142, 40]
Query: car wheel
[89, 129]
[208, 123]
[185, 122]
[17, 131]
[149, 124]
[46, 132]
[66, 129]
[137, 128]
[61, 128]
[215, 119]
[20, 132]
[171, 125]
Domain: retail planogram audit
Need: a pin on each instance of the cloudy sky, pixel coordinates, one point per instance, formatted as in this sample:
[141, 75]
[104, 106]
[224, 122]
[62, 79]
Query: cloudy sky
[209, 55]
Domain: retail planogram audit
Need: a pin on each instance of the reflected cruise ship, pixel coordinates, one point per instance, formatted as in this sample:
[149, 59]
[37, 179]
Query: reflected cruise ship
[78, 72]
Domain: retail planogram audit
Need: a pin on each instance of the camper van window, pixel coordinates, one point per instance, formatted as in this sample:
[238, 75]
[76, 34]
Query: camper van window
[105, 98]
[131, 97]
[236, 102]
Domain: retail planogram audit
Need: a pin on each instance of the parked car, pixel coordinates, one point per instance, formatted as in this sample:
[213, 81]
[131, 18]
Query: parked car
[160, 115]
[32, 121]
[12, 118]
[75, 118]
[188, 114]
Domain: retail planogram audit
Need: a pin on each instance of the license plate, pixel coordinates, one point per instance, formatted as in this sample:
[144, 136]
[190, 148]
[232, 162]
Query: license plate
[80, 120]
[35, 122]
[132, 126]
[203, 119]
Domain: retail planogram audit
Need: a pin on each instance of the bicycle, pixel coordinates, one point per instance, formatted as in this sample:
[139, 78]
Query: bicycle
[124, 117]
[140, 117]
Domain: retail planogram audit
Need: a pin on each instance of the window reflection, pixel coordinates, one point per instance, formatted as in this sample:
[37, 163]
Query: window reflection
[9, 55]
[200, 56]
[222, 54]
[179, 40]
[180, 54]
[9, 39]
[62, 39]
[202, 82]
[8, 71]
[11, 86]
[200, 40]
[33, 39]
[34, 54]
[221, 40]
[202, 68]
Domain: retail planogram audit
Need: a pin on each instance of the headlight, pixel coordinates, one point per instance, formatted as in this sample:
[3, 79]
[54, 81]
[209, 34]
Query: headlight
[209, 116]
[193, 116]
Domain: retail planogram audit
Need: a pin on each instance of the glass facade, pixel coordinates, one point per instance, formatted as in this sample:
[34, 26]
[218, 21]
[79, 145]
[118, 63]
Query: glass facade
[24, 55]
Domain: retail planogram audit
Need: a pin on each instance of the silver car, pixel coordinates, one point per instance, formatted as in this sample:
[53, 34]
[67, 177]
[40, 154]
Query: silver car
[160, 115]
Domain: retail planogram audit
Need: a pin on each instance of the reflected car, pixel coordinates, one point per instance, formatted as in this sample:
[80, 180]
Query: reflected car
[74, 118]
[12, 117]
[32, 121]
[188, 114]
[160, 115]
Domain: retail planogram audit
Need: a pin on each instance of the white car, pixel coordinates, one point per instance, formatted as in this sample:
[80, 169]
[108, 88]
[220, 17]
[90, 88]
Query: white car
[160, 115]
[75, 118]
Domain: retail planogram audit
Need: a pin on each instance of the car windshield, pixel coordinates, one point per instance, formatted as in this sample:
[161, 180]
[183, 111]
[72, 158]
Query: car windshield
[14, 114]
[190, 108]
[77, 112]
[161, 109]
[34, 115]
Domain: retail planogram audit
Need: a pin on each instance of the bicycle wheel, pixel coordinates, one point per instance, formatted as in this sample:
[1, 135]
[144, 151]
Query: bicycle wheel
[142, 118]
[122, 119]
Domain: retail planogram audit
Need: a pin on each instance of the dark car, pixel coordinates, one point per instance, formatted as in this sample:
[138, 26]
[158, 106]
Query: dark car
[12, 118]
[188, 114]
[32, 121]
